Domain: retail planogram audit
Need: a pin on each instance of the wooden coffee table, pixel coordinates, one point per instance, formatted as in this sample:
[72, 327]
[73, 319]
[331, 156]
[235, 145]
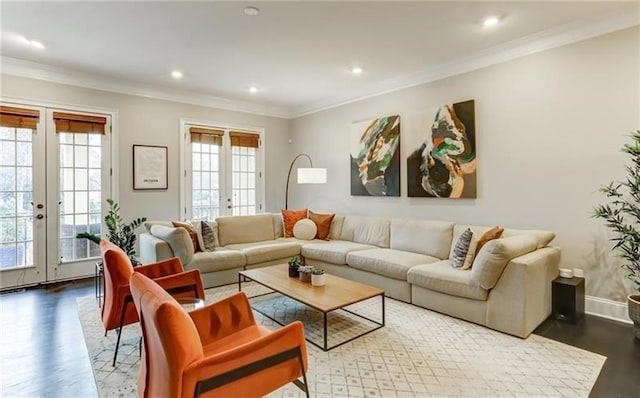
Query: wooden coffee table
[336, 294]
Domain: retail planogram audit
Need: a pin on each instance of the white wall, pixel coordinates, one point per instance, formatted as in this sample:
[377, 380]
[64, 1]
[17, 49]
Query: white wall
[549, 130]
[157, 122]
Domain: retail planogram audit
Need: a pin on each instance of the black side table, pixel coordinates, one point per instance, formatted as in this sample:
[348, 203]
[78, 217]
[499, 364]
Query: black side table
[567, 298]
[97, 280]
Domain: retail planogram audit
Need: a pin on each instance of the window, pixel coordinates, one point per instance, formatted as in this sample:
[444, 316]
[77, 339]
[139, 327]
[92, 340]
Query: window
[222, 175]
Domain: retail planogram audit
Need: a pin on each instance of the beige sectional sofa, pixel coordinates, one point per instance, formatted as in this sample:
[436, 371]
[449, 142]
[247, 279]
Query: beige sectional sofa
[508, 287]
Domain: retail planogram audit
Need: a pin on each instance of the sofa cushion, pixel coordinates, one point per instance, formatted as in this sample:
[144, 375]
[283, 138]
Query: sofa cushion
[178, 239]
[149, 224]
[278, 228]
[367, 230]
[494, 256]
[336, 227]
[217, 260]
[243, 229]
[305, 229]
[259, 252]
[387, 262]
[334, 252]
[432, 238]
[443, 278]
[543, 238]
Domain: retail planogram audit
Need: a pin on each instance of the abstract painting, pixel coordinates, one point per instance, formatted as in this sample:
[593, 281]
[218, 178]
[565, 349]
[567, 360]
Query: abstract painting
[444, 166]
[375, 157]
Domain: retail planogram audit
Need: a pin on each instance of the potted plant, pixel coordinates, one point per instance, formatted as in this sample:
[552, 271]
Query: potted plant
[305, 273]
[119, 233]
[317, 277]
[622, 216]
[294, 264]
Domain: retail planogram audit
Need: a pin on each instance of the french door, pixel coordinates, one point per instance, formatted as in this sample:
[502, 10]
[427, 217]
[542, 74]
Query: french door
[222, 172]
[54, 181]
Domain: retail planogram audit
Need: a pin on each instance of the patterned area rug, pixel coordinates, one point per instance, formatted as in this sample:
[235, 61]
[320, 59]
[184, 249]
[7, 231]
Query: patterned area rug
[418, 353]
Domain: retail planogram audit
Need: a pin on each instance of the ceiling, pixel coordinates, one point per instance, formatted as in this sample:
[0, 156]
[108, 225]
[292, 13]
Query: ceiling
[298, 54]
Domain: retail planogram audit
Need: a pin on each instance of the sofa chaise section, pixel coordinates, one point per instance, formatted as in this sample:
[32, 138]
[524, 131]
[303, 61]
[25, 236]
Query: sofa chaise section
[508, 287]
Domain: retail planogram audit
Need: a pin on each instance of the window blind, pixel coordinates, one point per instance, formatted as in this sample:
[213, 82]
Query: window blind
[75, 123]
[206, 136]
[19, 117]
[248, 140]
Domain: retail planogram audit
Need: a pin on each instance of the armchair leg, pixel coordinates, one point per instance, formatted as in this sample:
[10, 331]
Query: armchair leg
[305, 387]
[127, 300]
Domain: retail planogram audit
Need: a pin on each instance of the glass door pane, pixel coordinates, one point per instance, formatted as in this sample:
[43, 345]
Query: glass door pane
[205, 180]
[80, 194]
[78, 187]
[22, 220]
[243, 161]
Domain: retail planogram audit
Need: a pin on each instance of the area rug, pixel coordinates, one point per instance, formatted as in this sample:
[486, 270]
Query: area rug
[418, 353]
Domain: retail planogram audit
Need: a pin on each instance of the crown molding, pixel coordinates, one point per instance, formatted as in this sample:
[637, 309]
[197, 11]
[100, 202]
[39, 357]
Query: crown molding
[546, 40]
[34, 70]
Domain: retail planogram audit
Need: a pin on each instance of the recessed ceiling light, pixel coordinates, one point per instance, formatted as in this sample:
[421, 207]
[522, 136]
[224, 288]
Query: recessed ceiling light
[176, 74]
[356, 70]
[253, 89]
[31, 43]
[37, 44]
[491, 21]
[251, 11]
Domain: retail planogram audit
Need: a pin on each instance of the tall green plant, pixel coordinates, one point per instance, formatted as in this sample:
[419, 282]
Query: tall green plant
[622, 212]
[118, 232]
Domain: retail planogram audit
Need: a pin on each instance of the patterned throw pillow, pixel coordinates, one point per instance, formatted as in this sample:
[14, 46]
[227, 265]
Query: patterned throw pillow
[192, 233]
[491, 234]
[323, 222]
[210, 235]
[290, 218]
[461, 249]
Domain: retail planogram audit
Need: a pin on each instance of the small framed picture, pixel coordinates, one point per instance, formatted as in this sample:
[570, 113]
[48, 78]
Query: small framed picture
[150, 168]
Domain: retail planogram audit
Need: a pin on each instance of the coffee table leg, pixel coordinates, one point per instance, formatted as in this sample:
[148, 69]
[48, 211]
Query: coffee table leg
[325, 331]
[239, 282]
[383, 317]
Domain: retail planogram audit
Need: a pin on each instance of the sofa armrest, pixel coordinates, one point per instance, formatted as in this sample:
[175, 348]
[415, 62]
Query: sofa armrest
[153, 249]
[521, 299]
[178, 240]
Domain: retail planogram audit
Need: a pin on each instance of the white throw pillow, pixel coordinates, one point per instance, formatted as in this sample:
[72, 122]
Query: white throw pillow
[305, 229]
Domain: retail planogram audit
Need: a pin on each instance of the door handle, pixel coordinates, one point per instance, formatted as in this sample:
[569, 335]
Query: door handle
[40, 216]
[229, 207]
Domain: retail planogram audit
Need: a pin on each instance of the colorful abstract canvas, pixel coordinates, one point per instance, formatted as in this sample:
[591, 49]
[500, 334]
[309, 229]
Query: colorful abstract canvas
[444, 166]
[375, 157]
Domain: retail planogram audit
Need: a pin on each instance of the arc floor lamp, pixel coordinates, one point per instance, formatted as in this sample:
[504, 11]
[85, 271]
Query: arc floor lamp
[306, 175]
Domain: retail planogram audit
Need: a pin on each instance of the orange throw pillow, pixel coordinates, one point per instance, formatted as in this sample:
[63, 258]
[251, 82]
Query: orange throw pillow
[323, 222]
[192, 233]
[290, 218]
[491, 234]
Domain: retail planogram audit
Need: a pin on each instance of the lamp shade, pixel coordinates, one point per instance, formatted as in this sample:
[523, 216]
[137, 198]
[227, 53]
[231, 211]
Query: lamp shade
[312, 175]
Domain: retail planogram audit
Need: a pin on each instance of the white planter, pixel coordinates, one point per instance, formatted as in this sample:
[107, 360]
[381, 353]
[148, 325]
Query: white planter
[317, 280]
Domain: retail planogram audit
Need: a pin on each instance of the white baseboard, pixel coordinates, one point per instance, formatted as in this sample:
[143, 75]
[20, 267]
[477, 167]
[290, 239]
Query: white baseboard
[609, 309]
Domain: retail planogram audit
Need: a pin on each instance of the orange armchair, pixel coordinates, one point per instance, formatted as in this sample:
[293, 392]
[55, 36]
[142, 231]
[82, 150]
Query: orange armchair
[117, 270]
[215, 351]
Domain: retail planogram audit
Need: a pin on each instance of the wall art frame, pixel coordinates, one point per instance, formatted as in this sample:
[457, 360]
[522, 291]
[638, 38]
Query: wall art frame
[150, 167]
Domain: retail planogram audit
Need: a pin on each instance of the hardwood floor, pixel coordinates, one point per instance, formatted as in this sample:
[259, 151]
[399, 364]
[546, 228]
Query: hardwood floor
[43, 351]
[615, 340]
